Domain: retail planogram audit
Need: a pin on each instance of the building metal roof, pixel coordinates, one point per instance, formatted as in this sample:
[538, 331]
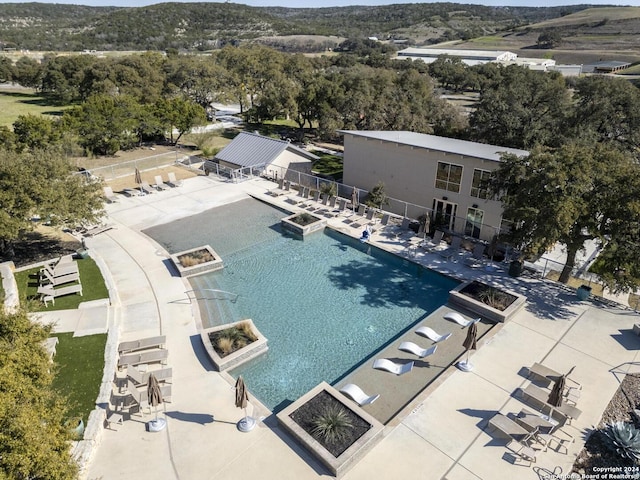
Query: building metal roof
[441, 144]
[488, 55]
[253, 150]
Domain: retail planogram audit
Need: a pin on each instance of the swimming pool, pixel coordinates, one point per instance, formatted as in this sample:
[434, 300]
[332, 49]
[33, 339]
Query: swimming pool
[325, 304]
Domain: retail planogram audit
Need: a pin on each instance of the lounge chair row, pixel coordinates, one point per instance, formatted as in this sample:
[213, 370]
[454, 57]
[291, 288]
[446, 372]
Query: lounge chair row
[355, 392]
[142, 344]
[145, 188]
[544, 426]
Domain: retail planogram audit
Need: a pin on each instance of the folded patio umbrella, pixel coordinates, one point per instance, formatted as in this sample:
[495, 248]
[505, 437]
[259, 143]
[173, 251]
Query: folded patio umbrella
[470, 343]
[242, 398]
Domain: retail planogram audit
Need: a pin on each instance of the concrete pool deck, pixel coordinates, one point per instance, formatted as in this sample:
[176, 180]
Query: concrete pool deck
[440, 435]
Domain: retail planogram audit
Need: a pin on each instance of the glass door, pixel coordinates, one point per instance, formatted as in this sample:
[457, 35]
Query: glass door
[444, 214]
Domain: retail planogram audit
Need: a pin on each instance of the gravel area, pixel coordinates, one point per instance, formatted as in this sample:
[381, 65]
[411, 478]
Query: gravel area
[596, 455]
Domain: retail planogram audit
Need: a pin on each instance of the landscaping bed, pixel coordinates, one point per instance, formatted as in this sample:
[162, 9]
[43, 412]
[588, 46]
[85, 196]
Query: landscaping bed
[596, 455]
[489, 302]
[233, 344]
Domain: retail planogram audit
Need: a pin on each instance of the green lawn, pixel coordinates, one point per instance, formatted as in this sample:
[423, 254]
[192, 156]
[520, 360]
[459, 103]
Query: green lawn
[14, 103]
[93, 287]
[328, 164]
[79, 366]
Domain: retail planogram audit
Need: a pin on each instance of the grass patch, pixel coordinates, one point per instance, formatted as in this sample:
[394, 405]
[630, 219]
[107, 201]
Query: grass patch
[79, 367]
[23, 102]
[93, 288]
[596, 288]
[330, 165]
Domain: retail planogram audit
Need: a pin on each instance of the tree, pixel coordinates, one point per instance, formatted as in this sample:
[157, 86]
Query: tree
[35, 132]
[179, 113]
[549, 39]
[608, 110]
[41, 183]
[377, 197]
[27, 72]
[33, 438]
[521, 109]
[575, 193]
[104, 123]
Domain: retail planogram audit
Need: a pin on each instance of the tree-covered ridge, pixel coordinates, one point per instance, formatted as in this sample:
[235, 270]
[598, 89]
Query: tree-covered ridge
[38, 26]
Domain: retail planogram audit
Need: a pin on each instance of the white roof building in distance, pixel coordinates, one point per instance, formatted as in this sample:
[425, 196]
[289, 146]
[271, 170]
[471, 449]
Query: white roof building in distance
[468, 57]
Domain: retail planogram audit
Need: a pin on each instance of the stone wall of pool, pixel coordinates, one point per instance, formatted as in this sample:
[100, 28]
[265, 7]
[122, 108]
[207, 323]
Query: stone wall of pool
[458, 298]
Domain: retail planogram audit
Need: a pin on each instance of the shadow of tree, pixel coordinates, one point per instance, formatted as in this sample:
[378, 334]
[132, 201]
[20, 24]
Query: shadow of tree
[388, 286]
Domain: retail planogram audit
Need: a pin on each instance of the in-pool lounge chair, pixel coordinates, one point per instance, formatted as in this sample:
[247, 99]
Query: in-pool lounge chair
[389, 366]
[459, 319]
[431, 334]
[357, 395]
[417, 350]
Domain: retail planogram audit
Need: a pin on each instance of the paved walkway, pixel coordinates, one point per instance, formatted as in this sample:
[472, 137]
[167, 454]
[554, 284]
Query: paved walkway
[442, 436]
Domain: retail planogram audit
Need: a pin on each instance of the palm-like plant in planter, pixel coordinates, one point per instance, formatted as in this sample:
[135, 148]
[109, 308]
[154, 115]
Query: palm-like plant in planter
[332, 424]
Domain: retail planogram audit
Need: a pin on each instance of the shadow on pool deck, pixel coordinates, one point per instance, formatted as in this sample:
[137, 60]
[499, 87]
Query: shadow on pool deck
[399, 392]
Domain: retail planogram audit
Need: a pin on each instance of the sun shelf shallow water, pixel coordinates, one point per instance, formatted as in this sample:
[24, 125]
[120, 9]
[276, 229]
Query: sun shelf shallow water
[325, 304]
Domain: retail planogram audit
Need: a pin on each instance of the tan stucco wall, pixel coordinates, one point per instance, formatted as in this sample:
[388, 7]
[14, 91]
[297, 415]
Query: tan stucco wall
[290, 160]
[409, 174]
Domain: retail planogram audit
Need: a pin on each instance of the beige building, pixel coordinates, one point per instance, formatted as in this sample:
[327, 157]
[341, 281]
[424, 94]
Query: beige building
[442, 174]
[266, 155]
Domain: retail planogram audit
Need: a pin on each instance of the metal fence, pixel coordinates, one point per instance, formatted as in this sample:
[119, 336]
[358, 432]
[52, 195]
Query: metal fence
[124, 169]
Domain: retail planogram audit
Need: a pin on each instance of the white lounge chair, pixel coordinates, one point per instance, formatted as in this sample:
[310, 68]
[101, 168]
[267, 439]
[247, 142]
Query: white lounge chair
[389, 366]
[146, 188]
[356, 394]
[173, 181]
[431, 334]
[142, 344]
[109, 195]
[435, 242]
[454, 248]
[417, 350]
[476, 260]
[160, 185]
[459, 319]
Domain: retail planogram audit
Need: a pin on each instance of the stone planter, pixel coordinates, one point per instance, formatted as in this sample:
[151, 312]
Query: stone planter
[240, 356]
[201, 259]
[349, 457]
[303, 223]
[457, 297]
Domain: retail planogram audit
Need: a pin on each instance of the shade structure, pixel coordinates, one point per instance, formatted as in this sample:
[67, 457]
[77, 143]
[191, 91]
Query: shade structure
[247, 423]
[154, 397]
[470, 343]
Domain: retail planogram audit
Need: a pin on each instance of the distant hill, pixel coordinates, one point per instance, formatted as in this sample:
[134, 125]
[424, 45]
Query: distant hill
[202, 26]
[587, 36]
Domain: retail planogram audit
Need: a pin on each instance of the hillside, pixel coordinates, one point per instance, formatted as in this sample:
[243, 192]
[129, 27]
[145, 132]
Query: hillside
[587, 36]
[202, 26]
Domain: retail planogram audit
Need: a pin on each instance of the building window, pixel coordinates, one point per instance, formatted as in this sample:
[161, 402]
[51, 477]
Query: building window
[449, 177]
[473, 225]
[480, 177]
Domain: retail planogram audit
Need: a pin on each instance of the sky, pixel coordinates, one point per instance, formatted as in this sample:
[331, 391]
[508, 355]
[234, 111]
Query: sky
[339, 3]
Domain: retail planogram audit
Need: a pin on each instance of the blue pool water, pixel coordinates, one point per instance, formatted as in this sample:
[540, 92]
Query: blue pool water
[325, 304]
